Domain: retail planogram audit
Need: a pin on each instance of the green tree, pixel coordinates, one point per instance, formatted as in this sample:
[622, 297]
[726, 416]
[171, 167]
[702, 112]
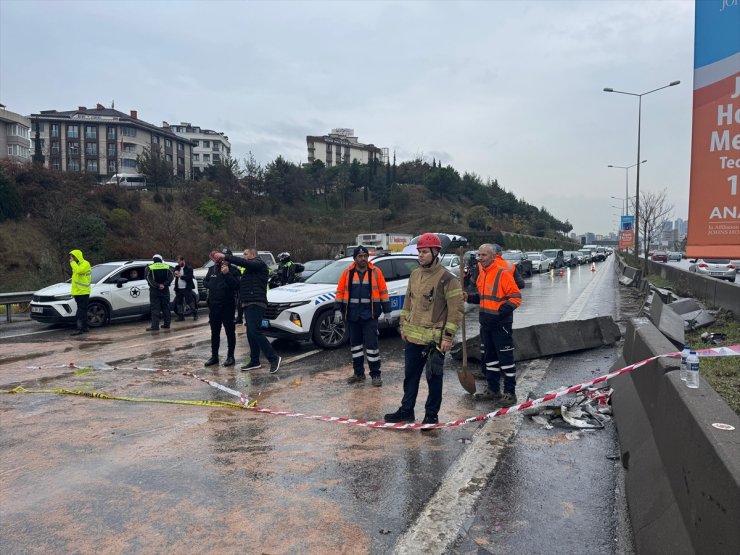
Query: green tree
[211, 211]
[11, 207]
[152, 163]
[478, 218]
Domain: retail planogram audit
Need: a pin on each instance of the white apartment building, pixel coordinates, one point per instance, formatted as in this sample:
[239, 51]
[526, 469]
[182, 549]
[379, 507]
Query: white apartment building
[342, 147]
[15, 135]
[209, 147]
[103, 141]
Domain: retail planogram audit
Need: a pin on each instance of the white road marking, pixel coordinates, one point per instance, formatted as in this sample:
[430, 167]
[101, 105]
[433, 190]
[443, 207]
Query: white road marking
[299, 357]
[576, 308]
[25, 334]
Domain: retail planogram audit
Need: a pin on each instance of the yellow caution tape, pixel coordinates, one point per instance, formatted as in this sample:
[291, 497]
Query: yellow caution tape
[97, 395]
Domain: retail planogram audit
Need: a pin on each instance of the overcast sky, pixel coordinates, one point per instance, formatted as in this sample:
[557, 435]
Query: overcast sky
[507, 90]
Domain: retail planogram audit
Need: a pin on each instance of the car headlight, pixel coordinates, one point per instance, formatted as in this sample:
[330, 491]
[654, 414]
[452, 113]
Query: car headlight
[293, 305]
[63, 297]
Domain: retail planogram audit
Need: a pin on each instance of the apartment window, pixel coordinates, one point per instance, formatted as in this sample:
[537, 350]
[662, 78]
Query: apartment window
[180, 147]
[111, 133]
[17, 130]
[73, 165]
[168, 158]
[207, 158]
[73, 148]
[216, 146]
[167, 143]
[128, 163]
[91, 166]
[197, 143]
[56, 164]
[55, 148]
[91, 149]
[180, 161]
[206, 144]
[18, 150]
[55, 130]
[155, 140]
[111, 150]
[111, 166]
[73, 131]
[196, 157]
[129, 147]
[128, 131]
[216, 158]
[91, 132]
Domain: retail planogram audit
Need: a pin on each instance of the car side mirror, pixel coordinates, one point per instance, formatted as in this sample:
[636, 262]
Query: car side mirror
[120, 281]
[693, 260]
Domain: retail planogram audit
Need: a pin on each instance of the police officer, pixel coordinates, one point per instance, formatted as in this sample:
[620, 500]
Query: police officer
[222, 282]
[286, 269]
[159, 276]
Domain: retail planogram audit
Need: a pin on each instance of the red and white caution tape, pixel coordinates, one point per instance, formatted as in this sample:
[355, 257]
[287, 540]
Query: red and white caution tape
[243, 399]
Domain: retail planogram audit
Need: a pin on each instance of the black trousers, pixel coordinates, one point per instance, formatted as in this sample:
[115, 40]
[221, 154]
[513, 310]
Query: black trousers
[159, 304]
[363, 335]
[416, 358]
[182, 297]
[219, 316]
[498, 343]
[81, 316]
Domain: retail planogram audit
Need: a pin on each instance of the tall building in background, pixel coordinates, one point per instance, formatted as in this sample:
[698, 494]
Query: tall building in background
[103, 141]
[209, 147]
[342, 147]
[15, 135]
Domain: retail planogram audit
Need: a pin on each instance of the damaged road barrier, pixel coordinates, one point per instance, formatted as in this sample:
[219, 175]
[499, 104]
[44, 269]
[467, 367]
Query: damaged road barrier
[733, 350]
[589, 410]
[714, 338]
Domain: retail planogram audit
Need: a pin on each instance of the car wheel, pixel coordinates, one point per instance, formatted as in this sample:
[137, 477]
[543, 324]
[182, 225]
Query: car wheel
[327, 334]
[97, 314]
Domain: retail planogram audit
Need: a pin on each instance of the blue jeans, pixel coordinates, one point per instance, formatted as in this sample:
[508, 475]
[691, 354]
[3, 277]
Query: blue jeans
[415, 358]
[254, 314]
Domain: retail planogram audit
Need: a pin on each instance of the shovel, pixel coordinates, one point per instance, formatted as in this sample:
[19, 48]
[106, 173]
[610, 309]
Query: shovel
[467, 379]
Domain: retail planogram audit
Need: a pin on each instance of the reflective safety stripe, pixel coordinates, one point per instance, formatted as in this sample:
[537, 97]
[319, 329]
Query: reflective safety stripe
[360, 301]
[356, 347]
[357, 354]
[507, 367]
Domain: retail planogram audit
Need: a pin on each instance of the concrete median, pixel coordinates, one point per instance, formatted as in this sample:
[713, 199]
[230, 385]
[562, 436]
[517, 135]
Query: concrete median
[543, 340]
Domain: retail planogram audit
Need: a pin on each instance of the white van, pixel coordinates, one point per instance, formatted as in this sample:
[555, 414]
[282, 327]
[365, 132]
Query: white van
[128, 180]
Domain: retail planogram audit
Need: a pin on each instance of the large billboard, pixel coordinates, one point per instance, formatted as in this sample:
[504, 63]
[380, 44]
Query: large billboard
[714, 210]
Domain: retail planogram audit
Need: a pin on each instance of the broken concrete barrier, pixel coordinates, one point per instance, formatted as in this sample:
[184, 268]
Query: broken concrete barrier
[556, 338]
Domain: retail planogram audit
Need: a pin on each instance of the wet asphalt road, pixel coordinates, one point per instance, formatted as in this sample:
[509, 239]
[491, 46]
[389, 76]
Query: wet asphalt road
[82, 474]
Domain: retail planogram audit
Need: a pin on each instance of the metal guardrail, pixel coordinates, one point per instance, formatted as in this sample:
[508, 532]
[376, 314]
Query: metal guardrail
[9, 299]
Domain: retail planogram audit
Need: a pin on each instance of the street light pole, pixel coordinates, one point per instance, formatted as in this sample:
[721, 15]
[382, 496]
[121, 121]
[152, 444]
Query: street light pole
[626, 184]
[639, 122]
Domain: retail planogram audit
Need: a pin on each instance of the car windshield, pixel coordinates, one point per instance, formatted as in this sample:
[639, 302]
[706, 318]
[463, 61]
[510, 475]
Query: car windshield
[550, 254]
[331, 273]
[313, 265]
[535, 256]
[102, 270]
[266, 258]
[512, 256]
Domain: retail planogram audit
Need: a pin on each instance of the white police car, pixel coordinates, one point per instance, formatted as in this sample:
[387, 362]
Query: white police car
[305, 311]
[118, 291]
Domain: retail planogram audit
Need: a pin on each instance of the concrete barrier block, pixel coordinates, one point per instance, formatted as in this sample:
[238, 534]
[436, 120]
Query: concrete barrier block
[667, 321]
[526, 346]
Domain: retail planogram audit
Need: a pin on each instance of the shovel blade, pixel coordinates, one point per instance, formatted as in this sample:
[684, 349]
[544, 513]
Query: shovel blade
[467, 380]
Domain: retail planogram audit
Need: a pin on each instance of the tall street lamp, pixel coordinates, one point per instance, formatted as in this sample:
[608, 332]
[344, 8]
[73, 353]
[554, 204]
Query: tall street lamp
[255, 231]
[639, 118]
[626, 184]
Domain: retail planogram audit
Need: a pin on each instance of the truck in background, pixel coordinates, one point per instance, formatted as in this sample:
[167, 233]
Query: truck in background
[393, 242]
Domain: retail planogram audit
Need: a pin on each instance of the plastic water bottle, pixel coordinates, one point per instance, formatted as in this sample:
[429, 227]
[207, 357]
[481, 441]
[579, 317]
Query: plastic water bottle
[684, 356]
[692, 370]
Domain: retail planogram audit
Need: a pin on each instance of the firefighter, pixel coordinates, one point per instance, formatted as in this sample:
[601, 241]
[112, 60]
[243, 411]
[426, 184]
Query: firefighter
[361, 300]
[159, 276]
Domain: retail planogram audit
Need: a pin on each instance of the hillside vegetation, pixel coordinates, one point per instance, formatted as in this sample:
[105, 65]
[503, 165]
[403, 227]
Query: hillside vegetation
[312, 212]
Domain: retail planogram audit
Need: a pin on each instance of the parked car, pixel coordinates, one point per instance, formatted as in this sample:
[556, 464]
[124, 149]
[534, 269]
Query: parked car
[736, 263]
[522, 261]
[556, 256]
[540, 263]
[659, 256]
[674, 257]
[115, 294]
[586, 255]
[313, 266]
[721, 268]
[451, 262]
[572, 258]
[305, 311]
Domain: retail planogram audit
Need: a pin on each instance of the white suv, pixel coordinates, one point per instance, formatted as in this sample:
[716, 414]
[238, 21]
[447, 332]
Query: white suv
[114, 295]
[305, 311]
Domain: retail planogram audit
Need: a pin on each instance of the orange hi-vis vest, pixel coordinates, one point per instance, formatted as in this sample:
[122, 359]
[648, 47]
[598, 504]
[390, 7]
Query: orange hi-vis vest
[497, 287]
[378, 289]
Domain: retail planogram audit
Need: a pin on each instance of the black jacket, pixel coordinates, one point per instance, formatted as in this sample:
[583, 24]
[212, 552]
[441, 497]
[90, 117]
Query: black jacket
[186, 274]
[253, 286]
[221, 287]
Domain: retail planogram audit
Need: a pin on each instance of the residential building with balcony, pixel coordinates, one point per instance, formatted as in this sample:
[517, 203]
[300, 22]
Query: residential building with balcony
[15, 135]
[342, 147]
[103, 141]
[209, 147]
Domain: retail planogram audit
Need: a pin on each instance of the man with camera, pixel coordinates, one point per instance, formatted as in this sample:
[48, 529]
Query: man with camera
[222, 282]
[184, 290]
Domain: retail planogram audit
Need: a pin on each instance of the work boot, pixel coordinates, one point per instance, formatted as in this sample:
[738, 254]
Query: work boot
[211, 361]
[377, 382]
[400, 416]
[429, 419]
[165, 326]
[77, 332]
[356, 378]
[507, 400]
[152, 329]
[487, 395]
[229, 361]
